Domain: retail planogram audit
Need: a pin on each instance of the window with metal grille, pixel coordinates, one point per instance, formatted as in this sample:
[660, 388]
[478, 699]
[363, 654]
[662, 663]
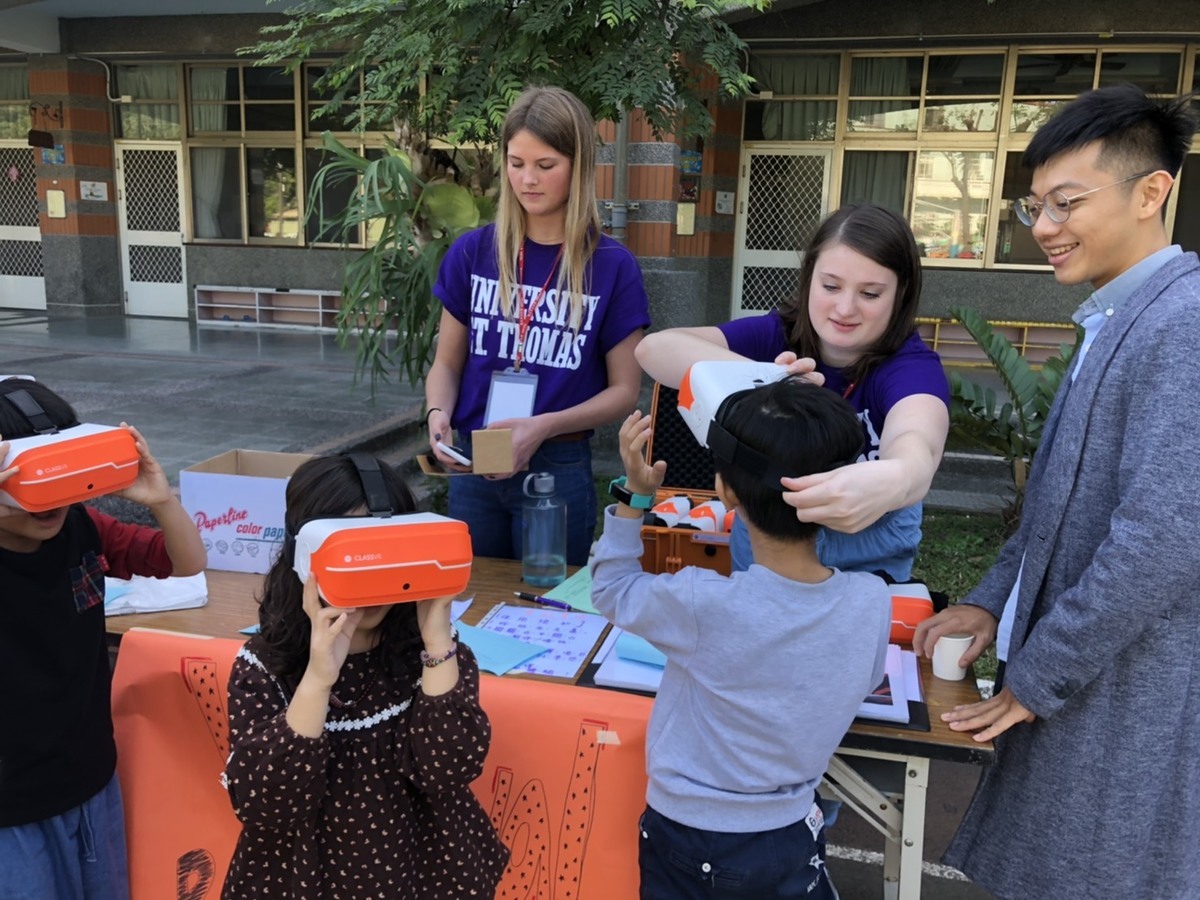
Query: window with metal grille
[937, 135]
[14, 102]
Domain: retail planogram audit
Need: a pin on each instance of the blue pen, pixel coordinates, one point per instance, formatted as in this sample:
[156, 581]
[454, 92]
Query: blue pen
[534, 598]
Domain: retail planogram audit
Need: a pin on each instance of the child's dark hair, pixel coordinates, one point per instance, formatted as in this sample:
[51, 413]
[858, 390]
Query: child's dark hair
[802, 429]
[13, 423]
[328, 487]
[884, 238]
[1138, 133]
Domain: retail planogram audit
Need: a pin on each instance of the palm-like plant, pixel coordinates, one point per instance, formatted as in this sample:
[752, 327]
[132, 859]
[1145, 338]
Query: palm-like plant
[1010, 426]
[410, 222]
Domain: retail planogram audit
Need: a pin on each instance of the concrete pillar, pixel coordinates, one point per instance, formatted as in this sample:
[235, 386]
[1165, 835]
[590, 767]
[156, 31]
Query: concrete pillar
[81, 251]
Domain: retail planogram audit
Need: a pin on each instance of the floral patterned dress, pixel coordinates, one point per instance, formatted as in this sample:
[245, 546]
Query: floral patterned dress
[378, 806]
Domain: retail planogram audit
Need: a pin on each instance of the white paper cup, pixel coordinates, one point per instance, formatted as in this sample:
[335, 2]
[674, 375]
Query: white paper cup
[946, 654]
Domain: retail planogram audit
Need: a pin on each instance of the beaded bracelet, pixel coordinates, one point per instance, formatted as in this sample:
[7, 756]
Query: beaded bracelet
[430, 661]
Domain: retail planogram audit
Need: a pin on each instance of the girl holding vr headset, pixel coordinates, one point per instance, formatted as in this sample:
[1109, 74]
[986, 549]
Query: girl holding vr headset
[355, 732]
[541, 315]
[853, 317]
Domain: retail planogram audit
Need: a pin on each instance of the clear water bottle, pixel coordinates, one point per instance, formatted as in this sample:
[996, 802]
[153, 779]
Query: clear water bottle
[543, 533]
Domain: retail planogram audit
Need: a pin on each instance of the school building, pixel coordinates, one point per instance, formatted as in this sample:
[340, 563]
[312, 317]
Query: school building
[170, 176]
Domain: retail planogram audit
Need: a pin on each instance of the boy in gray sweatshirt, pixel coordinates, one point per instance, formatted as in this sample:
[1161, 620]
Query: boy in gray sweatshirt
[765, 668]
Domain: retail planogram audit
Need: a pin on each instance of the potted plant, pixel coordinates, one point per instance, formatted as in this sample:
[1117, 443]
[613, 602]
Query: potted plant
[412, 203]
[1010, 425]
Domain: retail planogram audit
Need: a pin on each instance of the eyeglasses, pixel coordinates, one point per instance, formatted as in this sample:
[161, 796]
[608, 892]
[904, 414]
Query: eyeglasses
[1057, 205]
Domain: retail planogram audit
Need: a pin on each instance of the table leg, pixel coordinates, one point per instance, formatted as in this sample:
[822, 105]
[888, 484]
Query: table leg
[889, 792]
[891, 869]
[912, 836]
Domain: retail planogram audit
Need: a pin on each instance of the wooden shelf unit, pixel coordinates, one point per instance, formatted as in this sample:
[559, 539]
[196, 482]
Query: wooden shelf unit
[267, 307]
[1036, 341]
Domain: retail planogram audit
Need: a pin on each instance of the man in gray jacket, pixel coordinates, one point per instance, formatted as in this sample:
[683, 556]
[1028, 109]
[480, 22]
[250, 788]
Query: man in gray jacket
[1095, 602]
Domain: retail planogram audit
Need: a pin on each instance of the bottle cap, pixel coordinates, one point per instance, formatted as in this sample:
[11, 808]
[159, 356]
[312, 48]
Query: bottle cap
[543, 484]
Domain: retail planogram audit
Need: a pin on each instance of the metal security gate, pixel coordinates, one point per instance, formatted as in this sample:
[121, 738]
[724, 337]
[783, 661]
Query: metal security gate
[149, 204]
[785, 194]
[22, 278]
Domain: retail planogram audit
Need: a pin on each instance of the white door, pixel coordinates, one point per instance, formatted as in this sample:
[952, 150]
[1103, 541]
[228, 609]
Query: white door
[149, 204]
[22, 279]
[784, 191]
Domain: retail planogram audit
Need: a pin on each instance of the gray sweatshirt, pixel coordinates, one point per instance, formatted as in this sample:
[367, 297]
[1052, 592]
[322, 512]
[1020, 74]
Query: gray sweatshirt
[763, 677]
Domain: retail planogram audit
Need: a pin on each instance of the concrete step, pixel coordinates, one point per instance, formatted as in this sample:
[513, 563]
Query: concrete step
[975, 464]
[971, 483]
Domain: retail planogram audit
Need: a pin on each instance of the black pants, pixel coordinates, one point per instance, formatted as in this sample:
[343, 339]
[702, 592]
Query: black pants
[678, 862]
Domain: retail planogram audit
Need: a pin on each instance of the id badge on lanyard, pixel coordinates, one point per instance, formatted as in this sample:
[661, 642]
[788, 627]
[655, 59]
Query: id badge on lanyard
[512, 392]
[510, 396]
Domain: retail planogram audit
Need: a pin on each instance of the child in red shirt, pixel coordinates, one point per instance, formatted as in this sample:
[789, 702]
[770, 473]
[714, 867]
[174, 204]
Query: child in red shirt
[58, 788]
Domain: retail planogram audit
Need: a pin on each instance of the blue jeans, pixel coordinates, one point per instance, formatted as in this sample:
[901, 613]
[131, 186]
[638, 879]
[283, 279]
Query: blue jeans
[889, 545]
[76, 855]
[678, 862]
[492, 509]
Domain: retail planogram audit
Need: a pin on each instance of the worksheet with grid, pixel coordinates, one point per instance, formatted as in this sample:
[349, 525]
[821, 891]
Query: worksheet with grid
[568, 636]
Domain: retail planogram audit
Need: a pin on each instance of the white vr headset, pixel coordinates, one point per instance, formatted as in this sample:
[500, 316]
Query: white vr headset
[708, 384]
[707, 391]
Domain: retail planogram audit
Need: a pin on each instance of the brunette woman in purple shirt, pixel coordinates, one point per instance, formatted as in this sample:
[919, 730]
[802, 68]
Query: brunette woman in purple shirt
[542, 293]
[852, 317]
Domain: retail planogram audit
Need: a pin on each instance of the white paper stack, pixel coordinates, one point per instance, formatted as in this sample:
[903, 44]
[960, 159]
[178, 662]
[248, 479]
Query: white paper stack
[628, 665]
[143, 595]
[889, 701]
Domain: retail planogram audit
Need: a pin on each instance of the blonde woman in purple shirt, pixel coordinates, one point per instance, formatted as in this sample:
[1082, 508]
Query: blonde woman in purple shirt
[853, 319]
[539, 293]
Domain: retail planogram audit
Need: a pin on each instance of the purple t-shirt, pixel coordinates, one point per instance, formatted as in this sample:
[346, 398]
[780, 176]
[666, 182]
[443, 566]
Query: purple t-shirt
[913, 369]
[570, 365]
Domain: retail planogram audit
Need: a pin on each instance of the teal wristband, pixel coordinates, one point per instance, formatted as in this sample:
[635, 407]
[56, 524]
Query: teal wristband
[622, 494]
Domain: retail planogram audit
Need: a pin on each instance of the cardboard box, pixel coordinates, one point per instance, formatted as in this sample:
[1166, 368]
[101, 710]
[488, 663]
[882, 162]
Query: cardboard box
[690, 473]
[236, 500]
[491, 454]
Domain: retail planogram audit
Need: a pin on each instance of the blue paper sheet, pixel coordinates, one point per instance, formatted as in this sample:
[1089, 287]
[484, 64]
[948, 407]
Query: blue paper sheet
[497, 653]
[576, 592]
[635, 649]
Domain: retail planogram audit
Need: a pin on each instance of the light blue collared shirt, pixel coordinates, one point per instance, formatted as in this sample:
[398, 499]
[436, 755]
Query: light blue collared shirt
[1091, 315]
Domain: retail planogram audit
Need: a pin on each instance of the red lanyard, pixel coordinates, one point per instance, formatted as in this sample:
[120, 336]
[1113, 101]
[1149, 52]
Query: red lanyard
[526, 310]
[849, 390]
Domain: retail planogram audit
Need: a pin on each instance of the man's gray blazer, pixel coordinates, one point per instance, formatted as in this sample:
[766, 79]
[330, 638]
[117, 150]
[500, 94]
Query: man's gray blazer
[1100, 796]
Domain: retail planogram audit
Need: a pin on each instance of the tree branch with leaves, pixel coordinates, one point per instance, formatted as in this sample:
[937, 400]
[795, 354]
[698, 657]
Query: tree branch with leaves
[449, 70]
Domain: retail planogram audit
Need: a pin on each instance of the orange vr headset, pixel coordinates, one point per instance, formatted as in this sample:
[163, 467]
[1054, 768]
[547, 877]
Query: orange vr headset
[58, 468]
[383, 558]
[372, 561]
[911, 605]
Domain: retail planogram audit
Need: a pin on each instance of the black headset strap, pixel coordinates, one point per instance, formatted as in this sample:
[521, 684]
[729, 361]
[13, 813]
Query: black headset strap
[729, 448]
[24, 403]
[378, 502]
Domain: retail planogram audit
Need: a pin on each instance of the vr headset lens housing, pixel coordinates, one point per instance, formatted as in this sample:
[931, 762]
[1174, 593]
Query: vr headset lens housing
[58, 468]
[370, 561]
[709, 393]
